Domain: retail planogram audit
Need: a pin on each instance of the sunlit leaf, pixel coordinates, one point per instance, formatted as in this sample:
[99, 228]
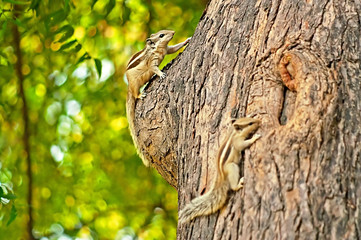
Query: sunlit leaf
[13, 214]
[98, 65]
[3, 60]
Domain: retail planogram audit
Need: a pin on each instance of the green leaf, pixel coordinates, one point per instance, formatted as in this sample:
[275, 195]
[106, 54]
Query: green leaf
[93, 3]
[67, 6]
[98, 65]
[16, 2]
[13, 214]
[18, 23]
[64, 28]
[56, 17]
[109, 7]
[77, 48]
[67, 45]
[9, 196]
[68, 32]
[125, 13]
[83, 58]
[34, 4]
[1, 192]
[3, 28]
[3, 62]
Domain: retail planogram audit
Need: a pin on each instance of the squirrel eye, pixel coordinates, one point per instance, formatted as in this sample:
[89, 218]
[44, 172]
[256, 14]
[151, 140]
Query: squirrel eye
[162, 35]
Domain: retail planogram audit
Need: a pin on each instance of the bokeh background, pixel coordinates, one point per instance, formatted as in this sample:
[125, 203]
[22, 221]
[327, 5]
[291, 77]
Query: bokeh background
[86, 180]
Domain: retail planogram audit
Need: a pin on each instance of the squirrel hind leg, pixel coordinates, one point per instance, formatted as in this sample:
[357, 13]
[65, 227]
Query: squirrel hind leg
[234, 179]
[133, 90]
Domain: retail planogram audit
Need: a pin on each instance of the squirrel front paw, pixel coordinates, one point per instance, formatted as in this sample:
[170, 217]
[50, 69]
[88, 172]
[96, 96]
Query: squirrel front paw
[142, 95]
[256, 136]
[163, 75]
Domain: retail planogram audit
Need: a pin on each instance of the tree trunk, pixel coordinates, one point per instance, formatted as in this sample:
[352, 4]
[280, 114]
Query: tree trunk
[296, 66]
[25, 116]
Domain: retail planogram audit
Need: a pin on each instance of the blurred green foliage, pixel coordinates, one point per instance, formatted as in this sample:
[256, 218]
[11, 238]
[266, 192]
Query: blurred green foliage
[88, 182]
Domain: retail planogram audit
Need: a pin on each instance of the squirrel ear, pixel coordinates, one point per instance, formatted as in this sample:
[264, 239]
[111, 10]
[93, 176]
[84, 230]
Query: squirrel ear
[233, 120]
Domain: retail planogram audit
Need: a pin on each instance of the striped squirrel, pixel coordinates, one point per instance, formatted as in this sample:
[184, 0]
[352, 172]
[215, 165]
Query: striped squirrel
[141, 67]
[227, 170]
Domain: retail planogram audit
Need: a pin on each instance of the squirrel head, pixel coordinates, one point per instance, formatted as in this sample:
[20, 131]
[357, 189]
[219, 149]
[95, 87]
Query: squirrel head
[246, 123]
[160, 38]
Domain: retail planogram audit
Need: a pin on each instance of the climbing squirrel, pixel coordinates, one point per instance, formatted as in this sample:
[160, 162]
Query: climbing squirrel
[228, 176]
[141, 67]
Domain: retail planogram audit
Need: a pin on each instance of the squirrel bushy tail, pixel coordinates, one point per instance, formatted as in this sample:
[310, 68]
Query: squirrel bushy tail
[207, 204]
[131, 117]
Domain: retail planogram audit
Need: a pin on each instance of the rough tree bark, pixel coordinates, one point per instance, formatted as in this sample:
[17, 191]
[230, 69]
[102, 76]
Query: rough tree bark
[296, 66]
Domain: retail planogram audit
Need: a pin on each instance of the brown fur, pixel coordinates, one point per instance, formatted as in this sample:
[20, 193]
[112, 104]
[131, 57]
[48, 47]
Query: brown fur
[141, 67]
[227, 171]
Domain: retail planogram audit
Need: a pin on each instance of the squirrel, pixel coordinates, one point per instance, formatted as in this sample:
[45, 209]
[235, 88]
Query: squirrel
[141, 67]
[228, 176]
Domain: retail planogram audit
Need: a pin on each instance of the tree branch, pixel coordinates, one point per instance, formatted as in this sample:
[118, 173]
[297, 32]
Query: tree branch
[25, 115]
